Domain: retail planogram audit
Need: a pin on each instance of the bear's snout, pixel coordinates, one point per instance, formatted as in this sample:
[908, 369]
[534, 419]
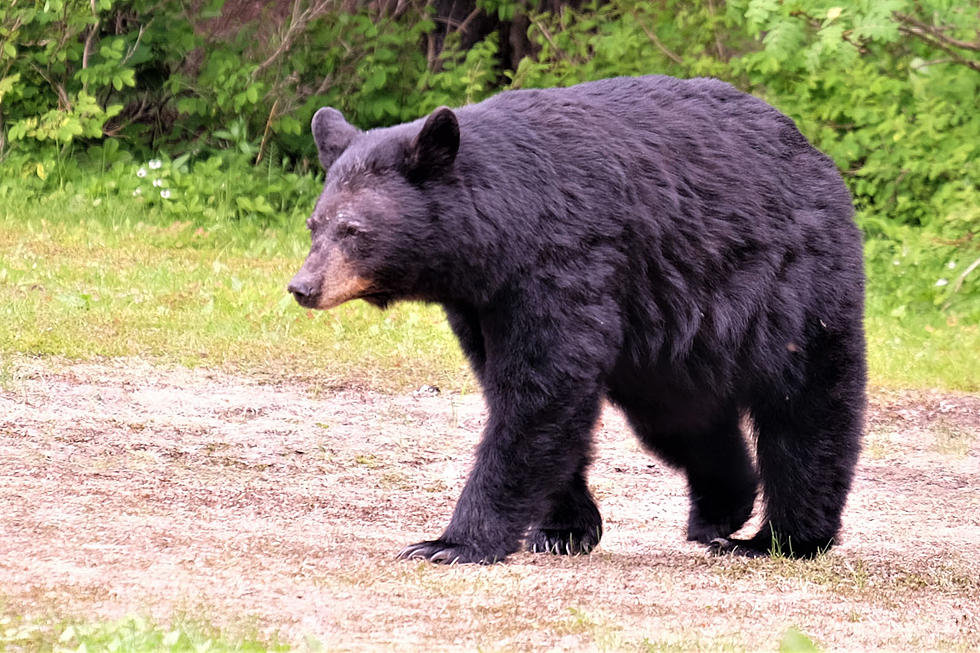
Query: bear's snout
[328, 280]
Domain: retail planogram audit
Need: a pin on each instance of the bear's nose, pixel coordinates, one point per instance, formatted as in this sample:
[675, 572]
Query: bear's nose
[300, 288]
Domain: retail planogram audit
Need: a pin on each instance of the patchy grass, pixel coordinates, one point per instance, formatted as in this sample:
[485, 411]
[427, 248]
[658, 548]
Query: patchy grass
[953, 440]
[859, 579]
[129, 488]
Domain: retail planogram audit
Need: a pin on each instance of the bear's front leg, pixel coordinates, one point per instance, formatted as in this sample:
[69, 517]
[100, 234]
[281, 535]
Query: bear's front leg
[524, 456]
[538, 438]
[486, 523]
[543, 376]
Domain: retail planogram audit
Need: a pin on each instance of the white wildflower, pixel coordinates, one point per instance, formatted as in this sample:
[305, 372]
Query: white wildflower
[951, 265]
[896, 262]
[165, 193]
[141, 173]
[155, 164]
[137, 192]
[157, 183]
[942, 282]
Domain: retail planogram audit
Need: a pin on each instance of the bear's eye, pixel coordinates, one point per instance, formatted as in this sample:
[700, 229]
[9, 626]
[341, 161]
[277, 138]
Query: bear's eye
[309, 224]
[349, 229]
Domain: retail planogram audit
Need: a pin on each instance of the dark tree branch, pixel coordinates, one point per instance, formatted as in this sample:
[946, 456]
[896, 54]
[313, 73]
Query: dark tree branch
[87, 48]
[719, 46]
[936, 43]
[547, 36]
[297, 23]
[915, 27]
[656, 41]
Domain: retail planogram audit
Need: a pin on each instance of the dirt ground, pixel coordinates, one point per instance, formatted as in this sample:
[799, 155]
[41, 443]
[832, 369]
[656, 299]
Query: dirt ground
[127, 488]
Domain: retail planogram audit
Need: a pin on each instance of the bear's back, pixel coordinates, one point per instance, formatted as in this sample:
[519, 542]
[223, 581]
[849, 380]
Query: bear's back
[651, 110]
[653, 135]
[656, 152]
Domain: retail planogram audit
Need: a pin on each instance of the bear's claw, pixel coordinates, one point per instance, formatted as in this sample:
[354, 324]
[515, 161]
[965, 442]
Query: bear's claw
[562, 541]
[719, 545]
[743, 548]
[446, 553]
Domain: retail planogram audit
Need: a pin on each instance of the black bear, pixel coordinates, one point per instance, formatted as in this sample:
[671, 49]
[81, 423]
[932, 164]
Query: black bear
[677, 247]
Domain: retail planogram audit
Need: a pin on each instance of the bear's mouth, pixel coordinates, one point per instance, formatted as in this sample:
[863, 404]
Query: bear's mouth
[379, 299]
[307, 301]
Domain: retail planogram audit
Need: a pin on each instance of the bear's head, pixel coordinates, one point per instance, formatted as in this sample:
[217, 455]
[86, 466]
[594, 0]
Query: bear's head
[373, 225]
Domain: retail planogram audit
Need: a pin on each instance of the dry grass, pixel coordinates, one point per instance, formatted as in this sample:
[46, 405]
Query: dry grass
[128, 488]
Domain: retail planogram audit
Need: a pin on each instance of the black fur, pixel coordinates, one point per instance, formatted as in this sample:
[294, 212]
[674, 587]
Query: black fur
[677, 247]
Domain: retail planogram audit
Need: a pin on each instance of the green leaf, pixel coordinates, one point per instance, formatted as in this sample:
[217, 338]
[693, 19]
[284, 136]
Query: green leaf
[289, 125]
[262, 205]
[7, 84]
[758, 12]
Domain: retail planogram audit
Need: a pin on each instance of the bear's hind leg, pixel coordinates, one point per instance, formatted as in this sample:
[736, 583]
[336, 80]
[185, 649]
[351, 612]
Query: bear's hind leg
[808, 445]
[721, 478]
[722, 483]
[573, 525]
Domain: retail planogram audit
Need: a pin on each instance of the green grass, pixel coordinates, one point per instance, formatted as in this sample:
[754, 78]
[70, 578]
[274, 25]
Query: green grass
[131, 634]
[84, 279]
[922, 351]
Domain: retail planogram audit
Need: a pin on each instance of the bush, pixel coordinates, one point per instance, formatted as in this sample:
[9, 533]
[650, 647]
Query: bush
[158, 75]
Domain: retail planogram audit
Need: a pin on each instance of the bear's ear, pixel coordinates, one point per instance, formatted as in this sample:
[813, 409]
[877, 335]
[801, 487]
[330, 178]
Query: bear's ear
[332, 135]
[434, 149]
